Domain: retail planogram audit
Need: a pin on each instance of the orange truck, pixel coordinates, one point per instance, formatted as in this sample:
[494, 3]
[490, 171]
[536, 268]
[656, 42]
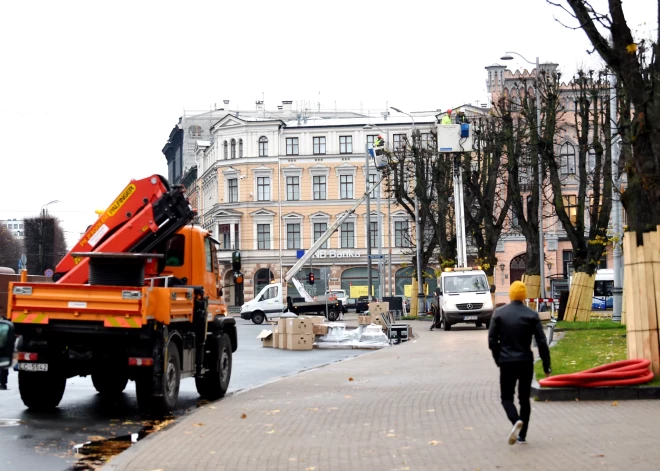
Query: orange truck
[137, 298]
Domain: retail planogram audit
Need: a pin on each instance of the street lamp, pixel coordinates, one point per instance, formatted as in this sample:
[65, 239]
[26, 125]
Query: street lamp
[43, 211]
[502, 269]
[420, 287]
[508, 57]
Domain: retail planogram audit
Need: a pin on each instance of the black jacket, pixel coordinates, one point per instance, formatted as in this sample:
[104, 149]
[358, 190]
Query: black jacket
[510, 335]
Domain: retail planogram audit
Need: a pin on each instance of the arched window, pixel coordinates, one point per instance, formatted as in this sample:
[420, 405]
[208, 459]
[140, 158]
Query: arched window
[263, 146]
[233, 148]
[226, 150]
[195, 130]
[240, 148]
[567, 159]
[262, 278]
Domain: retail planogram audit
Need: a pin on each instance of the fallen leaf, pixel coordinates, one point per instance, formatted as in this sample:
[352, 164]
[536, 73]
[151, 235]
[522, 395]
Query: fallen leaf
[391, 435]
[212, 452]
[333, 408]
[271, 431]
[435, 442]
[198, 425]
[468, 428]
[243, 416]
[350, 379]
[615, 403]
[430, 410]
[313, 409]
[212, 407]
[599, 456]
[310, 468]
[347, 397]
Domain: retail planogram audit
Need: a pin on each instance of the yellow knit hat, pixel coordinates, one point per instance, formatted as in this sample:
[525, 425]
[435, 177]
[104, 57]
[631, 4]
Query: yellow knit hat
[518, 291]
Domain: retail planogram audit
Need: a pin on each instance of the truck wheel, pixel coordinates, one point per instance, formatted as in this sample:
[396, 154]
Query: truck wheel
[110, 383]
[215, 382]
[164, 401]
[333, 315]
[477, 324]
[41, 391]
[258, 317]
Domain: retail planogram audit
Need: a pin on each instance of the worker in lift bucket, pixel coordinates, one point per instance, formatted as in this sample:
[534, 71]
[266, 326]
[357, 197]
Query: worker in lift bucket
[379, 142]
[446, 119]
[461, 118]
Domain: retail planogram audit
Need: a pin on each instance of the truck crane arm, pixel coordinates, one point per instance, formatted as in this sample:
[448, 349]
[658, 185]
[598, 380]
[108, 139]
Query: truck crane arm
[326, 235]
[146, 213]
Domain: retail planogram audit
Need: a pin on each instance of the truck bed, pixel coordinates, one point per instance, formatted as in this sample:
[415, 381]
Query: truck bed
[114, 306]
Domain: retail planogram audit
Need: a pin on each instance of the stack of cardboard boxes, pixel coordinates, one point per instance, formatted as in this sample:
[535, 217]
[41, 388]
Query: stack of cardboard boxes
[294, 333]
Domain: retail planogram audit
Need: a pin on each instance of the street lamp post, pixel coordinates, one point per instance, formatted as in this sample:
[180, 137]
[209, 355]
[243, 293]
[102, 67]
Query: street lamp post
[418, 232]
[507, 57]
[44, 209]
[368, 189]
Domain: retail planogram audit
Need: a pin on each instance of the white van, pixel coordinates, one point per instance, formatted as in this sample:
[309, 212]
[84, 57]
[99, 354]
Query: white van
[265, 305]
[341, 296]
[464, 296]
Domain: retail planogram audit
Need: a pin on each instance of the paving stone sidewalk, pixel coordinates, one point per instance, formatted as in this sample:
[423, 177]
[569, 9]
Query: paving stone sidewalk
[429, 404]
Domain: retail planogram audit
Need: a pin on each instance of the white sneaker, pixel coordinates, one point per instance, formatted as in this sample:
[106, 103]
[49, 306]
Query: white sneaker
[513, 436]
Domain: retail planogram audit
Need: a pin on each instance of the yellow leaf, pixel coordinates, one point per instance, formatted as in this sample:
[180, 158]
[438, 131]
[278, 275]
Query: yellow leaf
[313, 409]
[198, 425]
[631, 48]
[468, 428]
[350, 379]
[310, 468]
[391, 435]
[347, 397]
[271, 431]
[615, 403]
[243, 416]
[435, 442]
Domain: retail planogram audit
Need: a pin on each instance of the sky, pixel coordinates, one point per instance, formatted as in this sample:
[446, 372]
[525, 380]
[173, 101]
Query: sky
[89, 91]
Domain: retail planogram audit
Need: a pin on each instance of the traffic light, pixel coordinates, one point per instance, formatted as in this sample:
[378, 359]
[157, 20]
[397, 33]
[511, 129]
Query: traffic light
[236, 260]
[238, 278]
[310, 278]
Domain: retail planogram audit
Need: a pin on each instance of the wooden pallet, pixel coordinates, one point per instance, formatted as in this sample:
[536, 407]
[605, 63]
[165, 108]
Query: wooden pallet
[642, 297]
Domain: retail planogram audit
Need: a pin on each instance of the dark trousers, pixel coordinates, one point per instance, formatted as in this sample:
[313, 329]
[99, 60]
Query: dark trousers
[4, 374]
[511, 373]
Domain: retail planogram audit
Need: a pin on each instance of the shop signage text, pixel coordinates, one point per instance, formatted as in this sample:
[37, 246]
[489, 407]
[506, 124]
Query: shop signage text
[337, 254]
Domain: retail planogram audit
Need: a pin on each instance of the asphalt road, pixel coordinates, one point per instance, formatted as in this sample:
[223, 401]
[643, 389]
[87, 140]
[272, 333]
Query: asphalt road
[45, 441]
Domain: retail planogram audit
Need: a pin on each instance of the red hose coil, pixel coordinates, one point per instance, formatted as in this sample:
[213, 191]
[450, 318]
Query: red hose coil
[618, 373]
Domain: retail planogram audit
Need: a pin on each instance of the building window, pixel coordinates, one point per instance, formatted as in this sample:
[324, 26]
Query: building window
[319, 145]
[240, 148]
[401, 238]
[263, 146]
[399, 141]
[373, 233]
[371, 138]
[292, 188]
[346, 187]
[293, 236]
[291, 146]
[567, 259]
[232, 188]
[263, 188]
[348, 235]
[263, 236]
[373, 179]
[319, 187]
[567, 159]
[319, 230]
[226, 152]
[225, 236]
[345, 144]
[233, 148]
[425, 140]
[570, 206]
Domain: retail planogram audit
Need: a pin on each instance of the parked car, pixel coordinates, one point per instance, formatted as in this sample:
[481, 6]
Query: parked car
[362, 304]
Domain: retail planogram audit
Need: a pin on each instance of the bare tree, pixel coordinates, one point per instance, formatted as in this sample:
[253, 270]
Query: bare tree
[10, 249]
[44, 243]
[636, 66]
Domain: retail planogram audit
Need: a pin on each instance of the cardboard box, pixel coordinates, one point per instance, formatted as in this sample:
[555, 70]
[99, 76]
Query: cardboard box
[276, 340]
[282, 341]
[321, 329]
[281, 325]
[299, 341]
[364, 320]
[266, 337]
[378, 307]
[315, 319]
[299, 326]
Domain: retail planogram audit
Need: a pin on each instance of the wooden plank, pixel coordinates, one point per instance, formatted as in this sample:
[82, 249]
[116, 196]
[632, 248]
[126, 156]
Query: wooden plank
[629, 249]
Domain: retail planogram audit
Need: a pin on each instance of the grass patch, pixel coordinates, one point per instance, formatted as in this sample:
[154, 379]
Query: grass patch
[596, 324]
[586, 345]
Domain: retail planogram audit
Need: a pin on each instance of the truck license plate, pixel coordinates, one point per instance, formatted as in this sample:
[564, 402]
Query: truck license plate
[33, 366]
[470, 318]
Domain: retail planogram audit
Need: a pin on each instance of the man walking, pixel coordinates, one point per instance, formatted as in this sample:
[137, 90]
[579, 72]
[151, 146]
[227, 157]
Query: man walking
[509, 339]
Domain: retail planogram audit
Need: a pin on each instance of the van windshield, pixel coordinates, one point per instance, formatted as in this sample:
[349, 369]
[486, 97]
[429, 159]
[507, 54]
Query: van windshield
[466, 284]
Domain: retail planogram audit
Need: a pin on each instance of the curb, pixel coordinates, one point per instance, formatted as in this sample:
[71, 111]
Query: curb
[610, 393]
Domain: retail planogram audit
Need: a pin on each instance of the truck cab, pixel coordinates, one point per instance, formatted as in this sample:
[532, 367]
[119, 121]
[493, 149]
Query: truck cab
[463, 296]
